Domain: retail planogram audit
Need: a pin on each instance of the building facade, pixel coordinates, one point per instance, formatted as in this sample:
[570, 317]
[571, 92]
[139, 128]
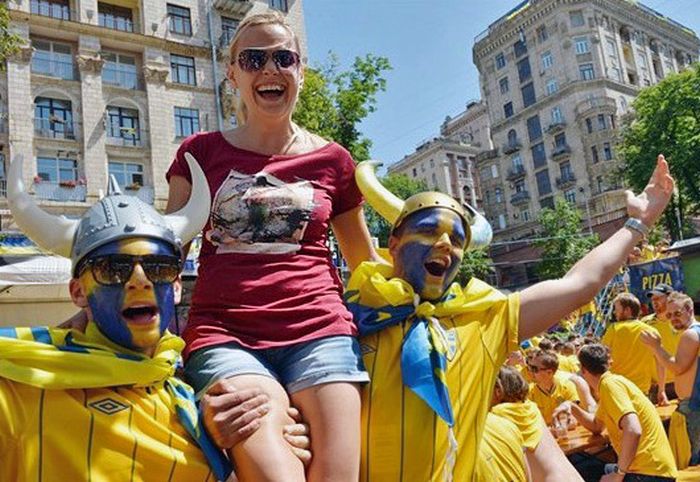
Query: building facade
[443, 165]
[557, 77]
[113, 87]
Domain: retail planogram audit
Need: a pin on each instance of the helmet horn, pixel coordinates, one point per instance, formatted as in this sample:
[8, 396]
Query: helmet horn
[387, 204]
[50, 232]
[189, 221]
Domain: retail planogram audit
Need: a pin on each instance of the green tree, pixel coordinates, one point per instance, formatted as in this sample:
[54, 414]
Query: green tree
[475, 264]
[332, 103]
[666, 120]
[562, 243]
[404, 187]
[9, 42]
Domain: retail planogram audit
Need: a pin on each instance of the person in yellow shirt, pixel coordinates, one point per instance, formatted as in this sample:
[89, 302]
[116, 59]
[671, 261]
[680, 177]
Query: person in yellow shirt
[549, 391]
[669, 339]
[104, 405]
[432, 347]
[630, 358]
[544, 457]
[500, 457]
[635, 429]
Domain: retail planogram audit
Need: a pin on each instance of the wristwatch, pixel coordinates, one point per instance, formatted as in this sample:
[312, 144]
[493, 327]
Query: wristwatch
[618, 470]
[637, 225]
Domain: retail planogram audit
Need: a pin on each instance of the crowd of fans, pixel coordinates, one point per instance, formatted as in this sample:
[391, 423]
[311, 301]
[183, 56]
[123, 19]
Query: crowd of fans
[612, 386]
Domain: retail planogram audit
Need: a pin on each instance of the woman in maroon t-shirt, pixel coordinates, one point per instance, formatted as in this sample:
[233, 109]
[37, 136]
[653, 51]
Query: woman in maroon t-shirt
[267, 310]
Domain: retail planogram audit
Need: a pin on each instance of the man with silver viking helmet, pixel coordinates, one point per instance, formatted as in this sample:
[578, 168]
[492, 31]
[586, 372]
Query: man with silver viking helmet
[104, 404]
[433, 348]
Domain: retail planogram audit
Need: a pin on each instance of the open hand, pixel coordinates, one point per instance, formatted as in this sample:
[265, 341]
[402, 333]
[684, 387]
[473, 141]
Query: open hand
[297, 435]
[649, 205]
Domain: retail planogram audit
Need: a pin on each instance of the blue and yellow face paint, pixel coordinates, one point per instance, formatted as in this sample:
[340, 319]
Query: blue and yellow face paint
[135, 314]
[428, 249]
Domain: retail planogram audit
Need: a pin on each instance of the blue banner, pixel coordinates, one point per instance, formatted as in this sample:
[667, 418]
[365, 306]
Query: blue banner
[643, 277]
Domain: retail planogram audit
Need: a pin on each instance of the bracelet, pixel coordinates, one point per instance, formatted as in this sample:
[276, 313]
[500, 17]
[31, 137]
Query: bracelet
[637, 225]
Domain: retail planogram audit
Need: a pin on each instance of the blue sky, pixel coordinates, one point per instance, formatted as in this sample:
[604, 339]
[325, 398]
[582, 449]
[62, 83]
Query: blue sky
[428, 43]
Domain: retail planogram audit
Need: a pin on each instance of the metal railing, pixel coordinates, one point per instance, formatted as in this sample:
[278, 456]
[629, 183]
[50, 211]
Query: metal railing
[511, 147]
[515, 172]
[561, 150]
[54, 191]
[122, 24]
[55, 128]
[60, 11]
[54, 68]
[3, 187]
[125, 79]
[126, 137]
[485, 155]
[566, 180]
[556, 126]
[520, 198]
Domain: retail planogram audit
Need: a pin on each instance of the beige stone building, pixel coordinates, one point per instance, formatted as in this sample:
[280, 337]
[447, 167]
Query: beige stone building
[444, 165]
[113, 87]
[557, 76]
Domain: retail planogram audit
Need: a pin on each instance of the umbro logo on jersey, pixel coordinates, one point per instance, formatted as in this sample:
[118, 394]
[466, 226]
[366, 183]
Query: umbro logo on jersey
[108, 406]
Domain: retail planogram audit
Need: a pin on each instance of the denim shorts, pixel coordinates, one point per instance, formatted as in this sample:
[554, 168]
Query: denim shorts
[296, 367]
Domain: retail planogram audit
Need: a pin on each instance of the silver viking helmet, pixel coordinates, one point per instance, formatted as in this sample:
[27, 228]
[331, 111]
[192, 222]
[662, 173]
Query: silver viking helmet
[115, 216]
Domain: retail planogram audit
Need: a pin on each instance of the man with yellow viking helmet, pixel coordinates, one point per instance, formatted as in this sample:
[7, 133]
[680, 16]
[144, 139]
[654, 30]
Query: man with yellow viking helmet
[104, 405]
[433, 348]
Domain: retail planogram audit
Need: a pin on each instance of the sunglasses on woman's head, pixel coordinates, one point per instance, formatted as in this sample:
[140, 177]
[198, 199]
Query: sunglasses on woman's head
[116, 269]
[253, 60]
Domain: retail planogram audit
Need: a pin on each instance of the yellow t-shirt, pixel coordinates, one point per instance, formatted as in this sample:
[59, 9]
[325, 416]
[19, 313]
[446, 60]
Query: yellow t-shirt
[618, 397]
[568, 364]
[526, 416]
[402, 438]
[101, 435]
[630, 357]
[563, 390]
[501, 457]
[670, 338]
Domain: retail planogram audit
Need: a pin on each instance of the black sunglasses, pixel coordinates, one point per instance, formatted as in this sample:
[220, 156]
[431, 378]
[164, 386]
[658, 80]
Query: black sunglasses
[116, 269]
[252, 60]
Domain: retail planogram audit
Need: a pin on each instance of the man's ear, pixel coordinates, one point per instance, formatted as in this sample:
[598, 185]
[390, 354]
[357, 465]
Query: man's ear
[77, 293]
[177, 289]
[393, 244]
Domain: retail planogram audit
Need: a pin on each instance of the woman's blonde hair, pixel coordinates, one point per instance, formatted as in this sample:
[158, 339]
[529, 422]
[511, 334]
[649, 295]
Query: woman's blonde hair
[513, 386]
[271, 17]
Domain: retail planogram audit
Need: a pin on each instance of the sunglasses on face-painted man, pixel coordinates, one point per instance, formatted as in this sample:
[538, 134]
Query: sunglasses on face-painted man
[253, 60]
[116, 269]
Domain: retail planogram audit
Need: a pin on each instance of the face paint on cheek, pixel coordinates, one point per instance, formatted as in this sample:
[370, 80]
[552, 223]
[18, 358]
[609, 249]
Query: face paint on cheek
[410, 264]
[106, 305]
[165, 297]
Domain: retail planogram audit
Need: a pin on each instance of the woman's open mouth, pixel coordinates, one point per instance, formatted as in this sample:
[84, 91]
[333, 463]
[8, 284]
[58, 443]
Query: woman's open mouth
[270, 91]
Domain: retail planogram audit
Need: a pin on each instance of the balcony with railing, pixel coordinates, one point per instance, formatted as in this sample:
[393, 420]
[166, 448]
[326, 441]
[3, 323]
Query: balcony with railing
[566, 180]
[234, 7]
[515, 172]
[115, 17]
[54, 68]
[3, 187]
[486, 155]
[144, 193]
[67, 191]
[556, 127]
[126, 137]
[125, 79]
[511, 147]
[55, 128]
[561, 151]
[53, 9]
[519, 198]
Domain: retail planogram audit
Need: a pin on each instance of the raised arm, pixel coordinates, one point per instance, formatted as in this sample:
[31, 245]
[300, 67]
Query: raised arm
[353, 237]
[547, 302]
[686, 353]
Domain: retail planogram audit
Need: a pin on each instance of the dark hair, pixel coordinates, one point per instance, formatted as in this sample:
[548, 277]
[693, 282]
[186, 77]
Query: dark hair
[569, 348]
[549, 359]
[546, 344]
[558, 346]
[512, 385]
[595, 358]
[628, 300]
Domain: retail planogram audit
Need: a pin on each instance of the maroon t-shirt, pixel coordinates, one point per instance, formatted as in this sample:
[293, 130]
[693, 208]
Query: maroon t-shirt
[265, 274]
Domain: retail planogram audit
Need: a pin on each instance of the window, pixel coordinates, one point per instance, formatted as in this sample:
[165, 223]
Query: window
[600, 184]
[487, 196]
[434, 178]
[576, 17]
[560, 139]
[500, 61]
[601, 122]
[524, 72]
[520, 186]
[119, 70]
[123, 124]
[615, 74]
[53, 118]
[557, 116]
[542, 34]
[534, 128]
[179, 20]
[186, 121]
[520, 47]
[582, 46]
[415, 172]
[127, 173]
[528, 92]
[501, 221]
[547, 60]
[547, 203]
[228, 30]
[539, 155]
[589, 125]
[607, 151]
[594, 154]
[586, 71]
[114, 17]
[565, 170]
[503, 84]
[517, 161]
[53, 58]
[525, 214]
[508, 110]
[570, 196]
[552, 86]
[51, 8]
[499, 195]
[432, 163]
[494, 171]
[512, 137]
[280, 5]
[57, 169]
[182, 70]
